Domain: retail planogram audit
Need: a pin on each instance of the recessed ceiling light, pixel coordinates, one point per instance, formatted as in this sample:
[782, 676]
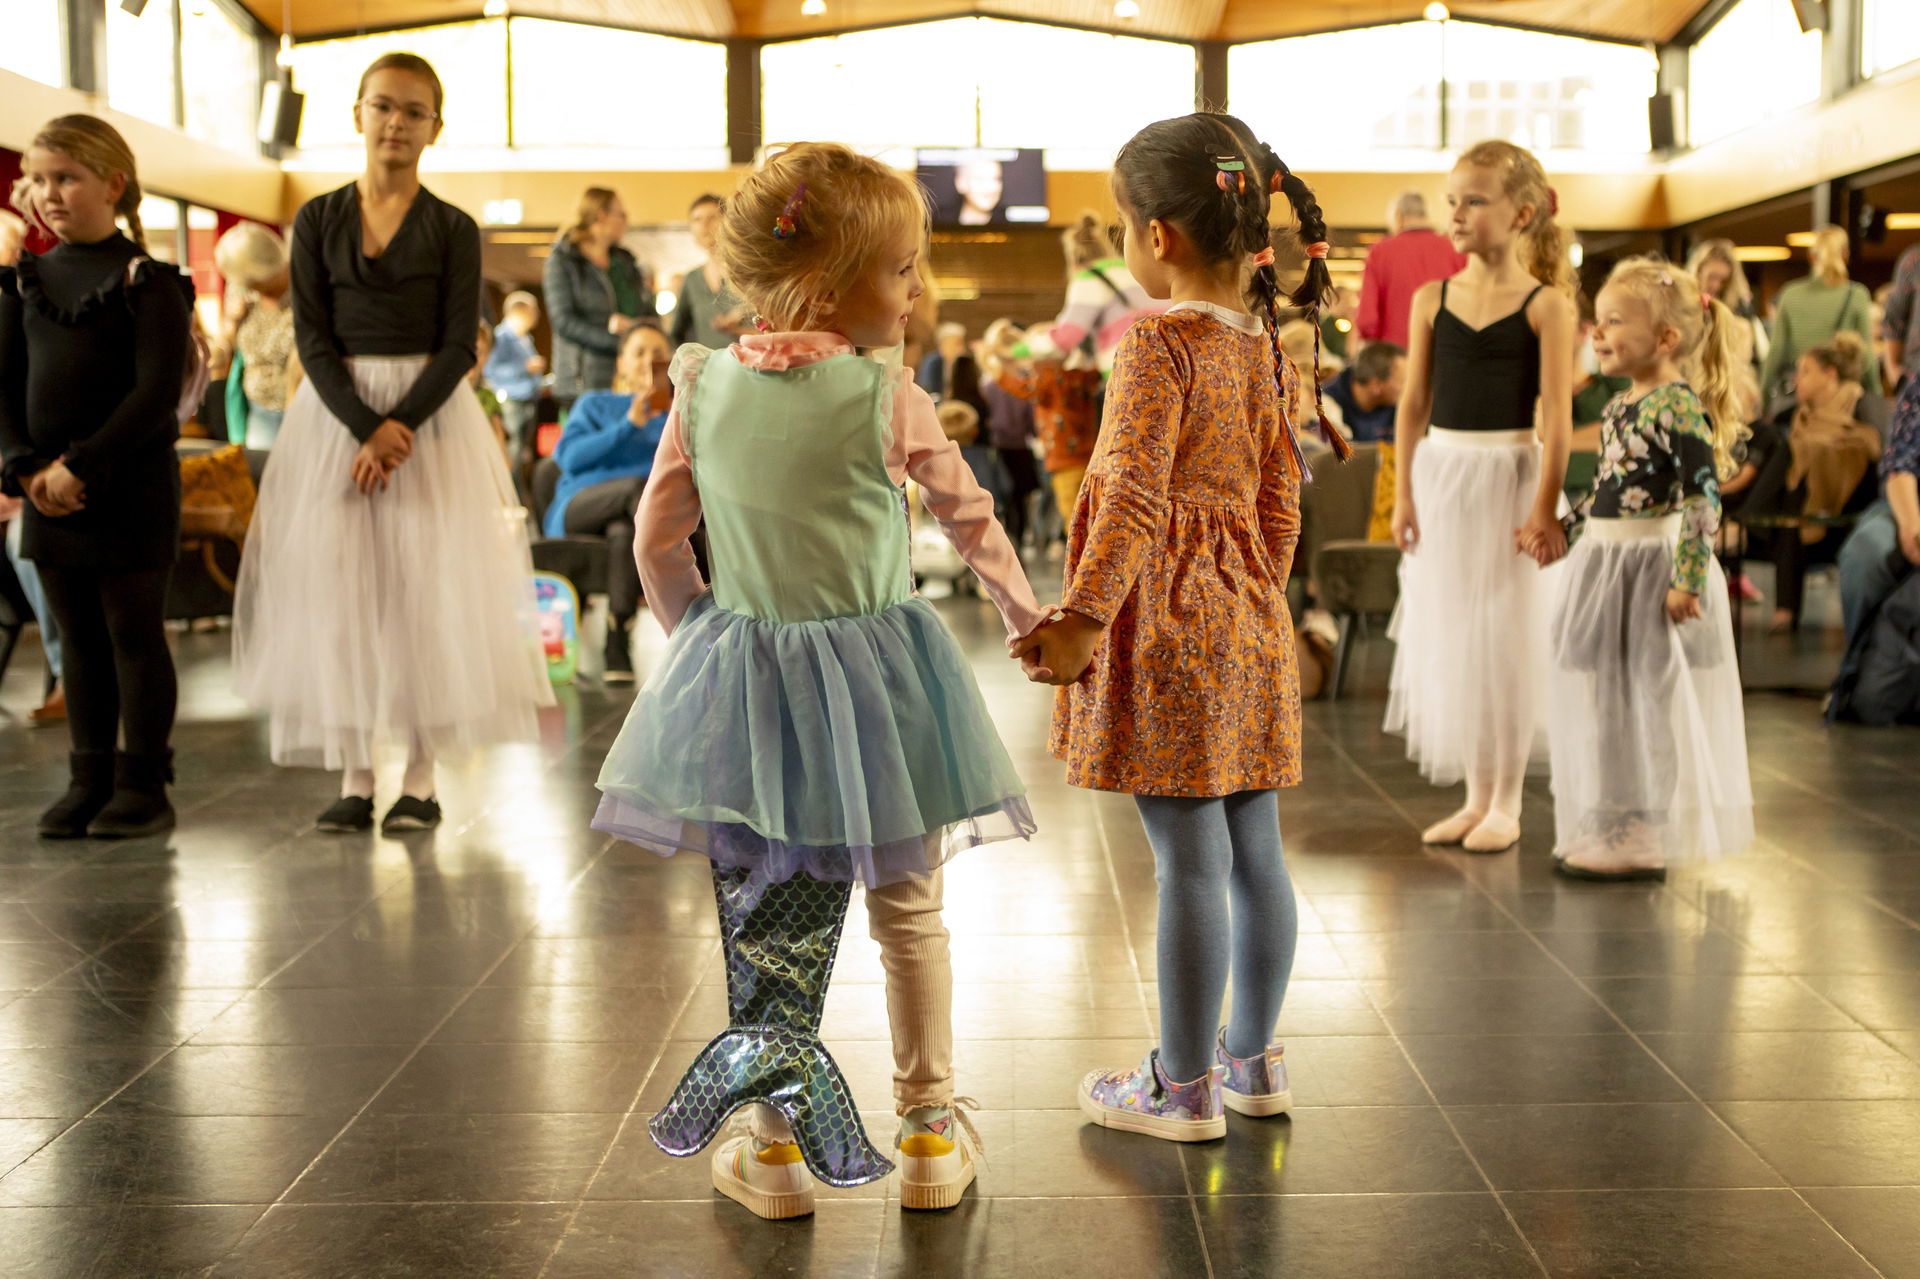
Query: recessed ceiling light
[813, 8]
[1437, 12]
[1126, 9]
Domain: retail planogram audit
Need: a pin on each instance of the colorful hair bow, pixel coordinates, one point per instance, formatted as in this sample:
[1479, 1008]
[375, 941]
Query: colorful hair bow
[1318, 249]
[784, 226]
[1232, 177]
[1264, 257]
[1706, 303]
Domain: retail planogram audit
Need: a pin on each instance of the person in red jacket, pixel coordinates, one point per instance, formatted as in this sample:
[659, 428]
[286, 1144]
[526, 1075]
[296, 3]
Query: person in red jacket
[1412, 254]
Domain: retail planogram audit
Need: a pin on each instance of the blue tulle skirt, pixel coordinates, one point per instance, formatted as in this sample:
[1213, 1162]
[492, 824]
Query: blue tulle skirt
[857, 748]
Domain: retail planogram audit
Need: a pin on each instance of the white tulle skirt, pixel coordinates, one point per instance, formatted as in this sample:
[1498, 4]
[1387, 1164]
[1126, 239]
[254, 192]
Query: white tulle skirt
[402, 618]
[1648, 730]
[1468, 684]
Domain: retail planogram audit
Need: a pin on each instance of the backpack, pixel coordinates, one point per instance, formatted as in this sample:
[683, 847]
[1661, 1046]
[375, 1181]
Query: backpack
[195, 371]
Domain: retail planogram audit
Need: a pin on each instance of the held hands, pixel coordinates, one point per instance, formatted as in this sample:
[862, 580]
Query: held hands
[1058, 651]
[55, 491]
[1682, 605]
[389, 446]
[1542, 537]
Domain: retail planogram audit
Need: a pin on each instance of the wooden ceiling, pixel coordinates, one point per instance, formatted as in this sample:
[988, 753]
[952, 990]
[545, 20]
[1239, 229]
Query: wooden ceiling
[1637, 20]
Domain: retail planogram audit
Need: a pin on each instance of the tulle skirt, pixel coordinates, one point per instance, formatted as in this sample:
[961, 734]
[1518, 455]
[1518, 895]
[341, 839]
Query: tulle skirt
[1648, 728]
[404, 617]
[1468, 683]
[856, 748]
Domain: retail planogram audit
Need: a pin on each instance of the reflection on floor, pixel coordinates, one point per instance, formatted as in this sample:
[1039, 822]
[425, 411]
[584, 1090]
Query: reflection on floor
[263, 1051]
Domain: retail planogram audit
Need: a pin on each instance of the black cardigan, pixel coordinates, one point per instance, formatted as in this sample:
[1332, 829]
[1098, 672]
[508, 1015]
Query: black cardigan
[91, 366]
[421, 296]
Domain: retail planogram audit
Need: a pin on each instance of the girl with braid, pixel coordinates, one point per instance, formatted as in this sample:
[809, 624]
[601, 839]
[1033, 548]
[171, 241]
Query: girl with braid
[1175, 647]
[1481, 441]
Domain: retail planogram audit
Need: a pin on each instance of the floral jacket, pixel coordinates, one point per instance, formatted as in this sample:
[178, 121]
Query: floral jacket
[1656, 459]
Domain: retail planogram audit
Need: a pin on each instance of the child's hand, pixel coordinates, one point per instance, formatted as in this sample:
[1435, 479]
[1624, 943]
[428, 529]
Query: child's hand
[1060, 651]
[1406, 526]
[1542, 537]
[1682, 605]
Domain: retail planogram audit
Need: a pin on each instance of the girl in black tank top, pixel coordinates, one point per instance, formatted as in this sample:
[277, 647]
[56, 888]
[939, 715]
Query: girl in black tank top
[1476, 496]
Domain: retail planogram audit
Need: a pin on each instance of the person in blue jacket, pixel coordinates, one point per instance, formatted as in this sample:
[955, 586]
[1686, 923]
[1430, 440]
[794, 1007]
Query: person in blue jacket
[605, 455]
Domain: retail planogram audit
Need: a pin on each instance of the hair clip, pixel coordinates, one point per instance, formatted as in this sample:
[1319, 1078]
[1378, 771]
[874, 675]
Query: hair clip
[1666, 280]
[1318, 249]
[1273, 185]
[784, 226]
[760, 324]
[1232, 177]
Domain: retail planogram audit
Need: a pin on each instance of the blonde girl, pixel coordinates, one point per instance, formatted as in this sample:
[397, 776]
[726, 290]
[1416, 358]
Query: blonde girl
[812, 722]
[1810, 310]
[1481, 442]
[1647, 729]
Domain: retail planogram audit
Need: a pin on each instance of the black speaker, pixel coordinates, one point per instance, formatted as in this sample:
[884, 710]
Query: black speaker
[1660, 122]
[280, 108]
[1811, 13]
[1870, 226]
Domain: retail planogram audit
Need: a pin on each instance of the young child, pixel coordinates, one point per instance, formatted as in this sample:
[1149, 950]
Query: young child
[1491, 353]
[812, 722]
[1649, 739]
[1178, 558]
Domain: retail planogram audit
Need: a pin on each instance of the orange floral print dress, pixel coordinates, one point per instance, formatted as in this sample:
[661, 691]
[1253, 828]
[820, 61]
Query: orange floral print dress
[1182, 541]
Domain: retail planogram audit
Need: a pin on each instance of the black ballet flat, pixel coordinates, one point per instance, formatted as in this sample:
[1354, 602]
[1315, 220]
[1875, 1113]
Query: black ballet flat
[409, 814]
[346, 815]
[1639, 874]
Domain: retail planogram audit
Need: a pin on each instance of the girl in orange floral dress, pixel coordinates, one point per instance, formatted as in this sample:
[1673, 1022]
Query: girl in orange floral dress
[1175, 644]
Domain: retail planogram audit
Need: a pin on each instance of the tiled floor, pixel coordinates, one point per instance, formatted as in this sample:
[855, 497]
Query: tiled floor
[255, 1050]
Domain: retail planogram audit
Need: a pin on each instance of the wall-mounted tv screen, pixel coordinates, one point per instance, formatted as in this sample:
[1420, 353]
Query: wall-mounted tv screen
[984, 186]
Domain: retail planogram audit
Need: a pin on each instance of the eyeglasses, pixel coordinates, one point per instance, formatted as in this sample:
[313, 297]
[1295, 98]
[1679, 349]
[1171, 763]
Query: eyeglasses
[381, 108]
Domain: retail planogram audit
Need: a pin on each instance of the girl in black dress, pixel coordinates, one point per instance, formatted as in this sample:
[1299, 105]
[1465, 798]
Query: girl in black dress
[386, 594]
[93, 347]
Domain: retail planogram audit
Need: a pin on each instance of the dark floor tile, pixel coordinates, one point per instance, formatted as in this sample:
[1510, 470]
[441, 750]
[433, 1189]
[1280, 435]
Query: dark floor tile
[1641, 954]
[1468, 1070]
[520, 1078]
[1045, 1238]
[1833, 1143]
[252, 1079]
[1720, 1234]
[607, 961]
[324, 1015]
[1883, 1224]
[132, 1242]
[136, 966]
[399, 1241]
[83, 926]
[1788, 1065]
[36, 1083]
[1886, 948]
[1062, 1154]
[567, 1014]
[167, 1159]
[460, 1159]
[1490, 1006]
[1334, 1150]
[717, 1236]
[1607, 1147]
[1389, 956]
[21, 1137]
[1409, 913]
[108, 1018]
[1879, 1001]
[1715, 1003]
[356, 963]
[1624, 909]
[1463, 1236]
[25, 965]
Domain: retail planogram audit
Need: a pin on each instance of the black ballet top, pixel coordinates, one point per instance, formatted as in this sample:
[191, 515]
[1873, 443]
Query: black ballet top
[91, 366]
[1485, 379]
[421, 296]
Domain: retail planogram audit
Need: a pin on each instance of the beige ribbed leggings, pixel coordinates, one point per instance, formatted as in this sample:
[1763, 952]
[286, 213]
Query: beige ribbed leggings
[905, 919]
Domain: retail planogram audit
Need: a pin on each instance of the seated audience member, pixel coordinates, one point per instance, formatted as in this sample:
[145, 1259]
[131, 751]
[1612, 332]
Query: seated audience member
[605, 455]
[1832, 452]
[1889, 528]
[1368, 391]
[514, 370]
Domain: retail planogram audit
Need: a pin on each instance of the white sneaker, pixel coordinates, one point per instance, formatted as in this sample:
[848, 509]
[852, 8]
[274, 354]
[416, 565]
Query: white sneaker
[937, 1153]
[762, 1169]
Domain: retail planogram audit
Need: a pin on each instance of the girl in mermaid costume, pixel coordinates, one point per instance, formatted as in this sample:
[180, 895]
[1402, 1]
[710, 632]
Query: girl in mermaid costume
[813, 723]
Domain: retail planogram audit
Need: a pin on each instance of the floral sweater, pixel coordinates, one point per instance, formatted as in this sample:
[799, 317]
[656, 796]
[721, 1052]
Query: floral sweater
[1656, 459]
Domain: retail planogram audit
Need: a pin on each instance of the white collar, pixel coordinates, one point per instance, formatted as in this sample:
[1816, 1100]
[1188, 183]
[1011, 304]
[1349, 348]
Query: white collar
[1245, 321]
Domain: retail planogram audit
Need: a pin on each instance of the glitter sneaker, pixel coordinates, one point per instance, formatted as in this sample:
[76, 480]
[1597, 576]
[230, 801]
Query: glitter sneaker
[1254, 1085]
[938, 1151]
[1144, 1100]
[761, 1171]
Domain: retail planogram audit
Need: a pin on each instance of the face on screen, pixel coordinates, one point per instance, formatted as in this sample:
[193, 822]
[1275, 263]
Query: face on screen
[980, 184]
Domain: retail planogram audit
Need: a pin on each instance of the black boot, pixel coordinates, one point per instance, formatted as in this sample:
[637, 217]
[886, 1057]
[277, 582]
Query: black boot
[87, 794]
[619, 667]
[139, 805]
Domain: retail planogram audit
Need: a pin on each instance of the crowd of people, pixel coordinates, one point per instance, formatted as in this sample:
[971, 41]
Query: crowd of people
[812, 723]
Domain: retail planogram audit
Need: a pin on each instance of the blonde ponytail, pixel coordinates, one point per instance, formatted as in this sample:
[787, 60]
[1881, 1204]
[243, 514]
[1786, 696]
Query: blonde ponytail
[1714, 373]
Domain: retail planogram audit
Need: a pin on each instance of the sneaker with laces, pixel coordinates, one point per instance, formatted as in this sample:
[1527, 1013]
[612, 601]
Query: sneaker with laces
[1254, 1085]
[763, 1173]
[938, 1152]
[1144, 1100]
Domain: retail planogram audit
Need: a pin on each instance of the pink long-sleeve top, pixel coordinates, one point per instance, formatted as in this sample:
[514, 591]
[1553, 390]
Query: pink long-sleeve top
[918, 449]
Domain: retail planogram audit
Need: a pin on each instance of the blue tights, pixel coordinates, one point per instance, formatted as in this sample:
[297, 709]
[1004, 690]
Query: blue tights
[1221, 874]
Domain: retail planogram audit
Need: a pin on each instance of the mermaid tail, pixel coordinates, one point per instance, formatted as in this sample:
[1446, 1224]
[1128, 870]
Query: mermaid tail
[780, 940]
